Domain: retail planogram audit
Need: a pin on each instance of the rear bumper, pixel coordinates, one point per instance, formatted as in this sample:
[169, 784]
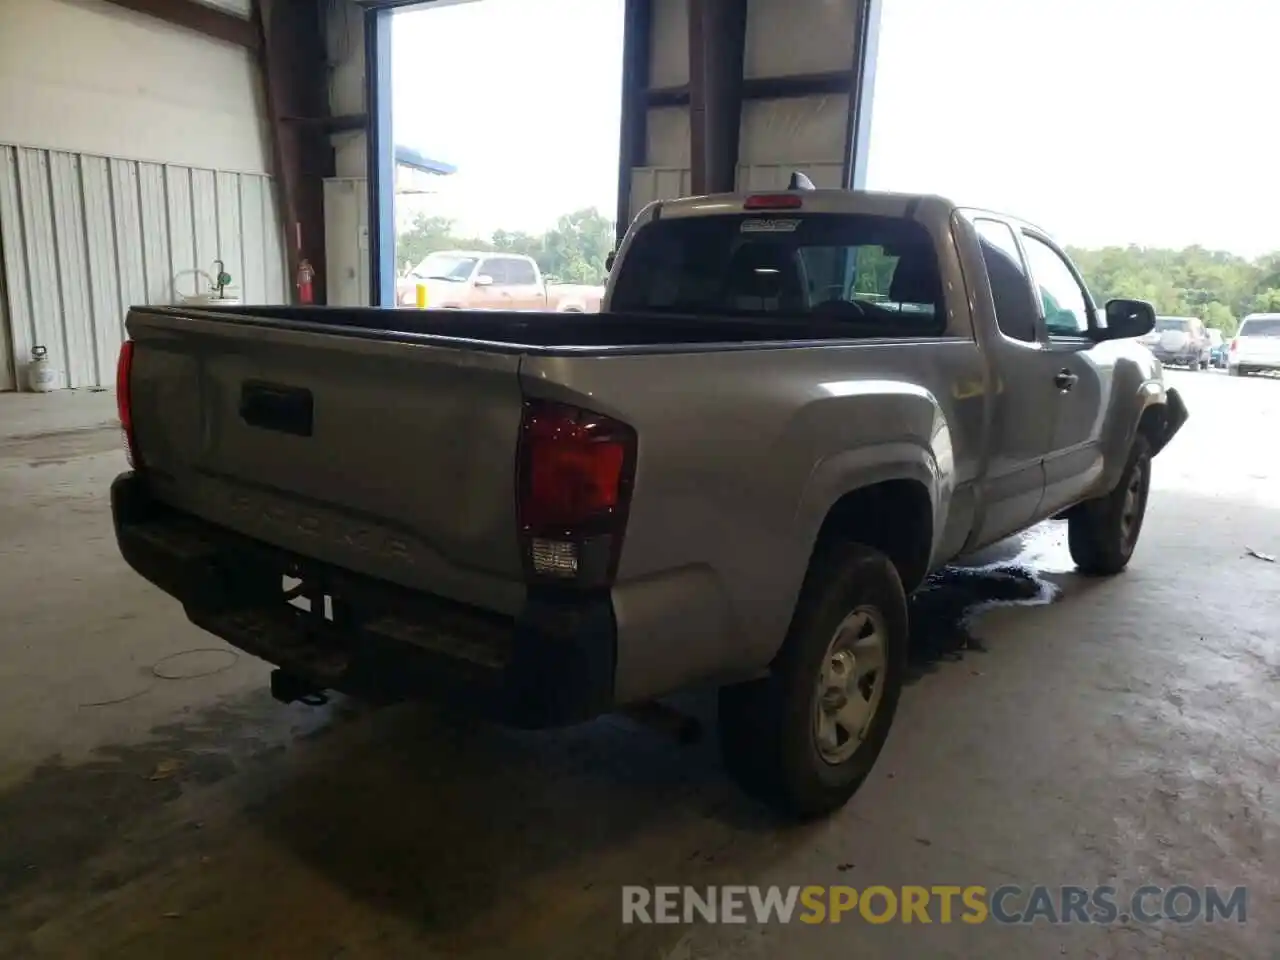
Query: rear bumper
[551, 665]
[1186, 357]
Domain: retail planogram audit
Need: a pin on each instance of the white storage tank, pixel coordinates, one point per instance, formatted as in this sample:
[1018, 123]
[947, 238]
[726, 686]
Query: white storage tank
[41, 377]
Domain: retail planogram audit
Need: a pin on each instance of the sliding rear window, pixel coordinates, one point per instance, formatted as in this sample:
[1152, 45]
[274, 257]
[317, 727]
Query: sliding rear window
[879, 273]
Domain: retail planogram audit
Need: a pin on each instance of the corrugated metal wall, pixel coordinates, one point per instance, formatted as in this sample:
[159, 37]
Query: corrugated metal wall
[83, 237]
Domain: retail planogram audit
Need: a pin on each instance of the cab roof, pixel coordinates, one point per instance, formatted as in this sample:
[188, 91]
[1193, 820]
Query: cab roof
[929, 209]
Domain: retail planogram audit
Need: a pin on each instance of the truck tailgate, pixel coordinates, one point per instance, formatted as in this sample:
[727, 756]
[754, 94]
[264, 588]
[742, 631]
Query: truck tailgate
[387, 458]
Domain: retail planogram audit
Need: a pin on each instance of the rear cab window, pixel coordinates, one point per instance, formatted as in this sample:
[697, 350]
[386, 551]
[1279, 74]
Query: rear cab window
[875, 276]
[1259, 327]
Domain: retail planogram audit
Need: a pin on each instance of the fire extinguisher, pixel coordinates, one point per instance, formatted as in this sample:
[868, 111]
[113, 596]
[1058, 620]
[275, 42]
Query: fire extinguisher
[306, 274]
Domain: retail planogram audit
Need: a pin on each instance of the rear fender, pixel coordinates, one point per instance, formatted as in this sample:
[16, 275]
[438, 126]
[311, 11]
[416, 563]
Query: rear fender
[854, 470]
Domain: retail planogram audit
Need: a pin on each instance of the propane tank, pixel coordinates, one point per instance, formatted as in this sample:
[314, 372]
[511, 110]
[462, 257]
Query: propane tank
[40, 372]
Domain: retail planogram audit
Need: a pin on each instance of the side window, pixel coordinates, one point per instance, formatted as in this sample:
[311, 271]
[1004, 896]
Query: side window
[1066, 311]
[1010, 289]
[520, 272]
[495, 268]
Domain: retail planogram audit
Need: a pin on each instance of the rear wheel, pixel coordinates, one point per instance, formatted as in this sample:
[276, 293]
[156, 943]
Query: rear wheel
[804, 738]
[1103, 532]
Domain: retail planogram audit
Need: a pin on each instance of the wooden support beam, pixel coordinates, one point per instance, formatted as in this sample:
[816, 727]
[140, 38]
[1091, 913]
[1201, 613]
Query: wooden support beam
[208, 21]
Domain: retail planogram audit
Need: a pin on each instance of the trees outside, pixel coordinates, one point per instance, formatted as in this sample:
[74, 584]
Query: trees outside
[1217, 286]
[573, 251]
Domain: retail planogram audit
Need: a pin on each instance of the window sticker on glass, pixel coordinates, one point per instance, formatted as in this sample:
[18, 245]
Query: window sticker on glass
[770, 226]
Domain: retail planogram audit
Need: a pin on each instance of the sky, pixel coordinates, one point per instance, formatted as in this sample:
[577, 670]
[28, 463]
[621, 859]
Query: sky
[1103, 121]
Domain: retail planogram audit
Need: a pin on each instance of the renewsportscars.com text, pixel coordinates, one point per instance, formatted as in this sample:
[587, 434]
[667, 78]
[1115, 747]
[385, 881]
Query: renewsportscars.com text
[939, 903]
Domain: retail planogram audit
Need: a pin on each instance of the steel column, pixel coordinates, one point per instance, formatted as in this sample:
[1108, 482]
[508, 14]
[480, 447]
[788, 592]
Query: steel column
[381, 158]
[633, 147]
[862, 93]
[295, 70]
[717, 42]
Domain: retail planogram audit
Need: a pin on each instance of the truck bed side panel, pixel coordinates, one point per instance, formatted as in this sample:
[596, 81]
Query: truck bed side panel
[736, 451]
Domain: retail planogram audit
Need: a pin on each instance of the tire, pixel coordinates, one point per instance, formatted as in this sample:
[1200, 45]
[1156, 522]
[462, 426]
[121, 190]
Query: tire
[1234, 372]
[770, 728]
[1103, 532]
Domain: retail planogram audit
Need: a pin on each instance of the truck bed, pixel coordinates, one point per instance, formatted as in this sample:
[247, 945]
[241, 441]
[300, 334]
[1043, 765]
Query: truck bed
[536, 332]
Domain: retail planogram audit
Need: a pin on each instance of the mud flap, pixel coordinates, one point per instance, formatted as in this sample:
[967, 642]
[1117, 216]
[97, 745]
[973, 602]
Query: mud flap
[1175, 416]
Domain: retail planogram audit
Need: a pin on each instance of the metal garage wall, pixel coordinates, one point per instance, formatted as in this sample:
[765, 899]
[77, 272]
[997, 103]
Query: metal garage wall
[808, 133]
[93, 77]
[83, 237]
[802, 46]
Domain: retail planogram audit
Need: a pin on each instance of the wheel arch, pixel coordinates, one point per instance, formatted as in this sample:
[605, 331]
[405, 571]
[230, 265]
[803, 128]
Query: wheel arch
[894, 515]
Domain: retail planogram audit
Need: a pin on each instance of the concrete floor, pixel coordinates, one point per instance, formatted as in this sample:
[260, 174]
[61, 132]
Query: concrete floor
[154, 802]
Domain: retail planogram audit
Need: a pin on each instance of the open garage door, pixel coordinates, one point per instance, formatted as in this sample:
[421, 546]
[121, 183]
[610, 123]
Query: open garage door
[710, 102]
[503, 134]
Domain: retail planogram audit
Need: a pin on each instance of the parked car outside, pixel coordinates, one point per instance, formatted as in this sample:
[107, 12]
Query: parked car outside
[1256, 347]
[1182, 341]
[479, 280]
[1217, 350]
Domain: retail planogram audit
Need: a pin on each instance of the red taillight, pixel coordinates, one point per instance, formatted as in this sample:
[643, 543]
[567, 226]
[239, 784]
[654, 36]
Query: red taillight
[124, 402]
[574, 484]
[773, 201]
[1234, 344]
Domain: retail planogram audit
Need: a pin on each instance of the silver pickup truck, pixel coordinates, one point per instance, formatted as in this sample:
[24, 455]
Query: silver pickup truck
[793, 408]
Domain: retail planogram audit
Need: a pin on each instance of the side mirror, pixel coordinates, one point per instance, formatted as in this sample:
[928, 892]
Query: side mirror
[484, 280]
[609, 260]
[1127, 319]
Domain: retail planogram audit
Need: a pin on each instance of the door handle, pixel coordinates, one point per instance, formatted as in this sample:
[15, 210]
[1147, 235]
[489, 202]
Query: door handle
[1065, 379]
[271, 406]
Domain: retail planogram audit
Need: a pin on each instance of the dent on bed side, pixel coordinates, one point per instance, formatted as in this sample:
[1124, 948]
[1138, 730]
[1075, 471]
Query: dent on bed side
[673, 628]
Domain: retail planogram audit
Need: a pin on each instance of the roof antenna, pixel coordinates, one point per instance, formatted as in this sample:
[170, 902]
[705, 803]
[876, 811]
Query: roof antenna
[800, 182]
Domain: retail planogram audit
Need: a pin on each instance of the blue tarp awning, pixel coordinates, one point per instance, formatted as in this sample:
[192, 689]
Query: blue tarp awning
[408, 157]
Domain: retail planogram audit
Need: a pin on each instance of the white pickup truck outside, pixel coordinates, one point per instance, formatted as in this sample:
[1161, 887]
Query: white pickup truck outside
[484, 280]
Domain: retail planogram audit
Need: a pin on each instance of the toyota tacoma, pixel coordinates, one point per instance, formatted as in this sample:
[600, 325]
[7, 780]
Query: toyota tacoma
[793, 407]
